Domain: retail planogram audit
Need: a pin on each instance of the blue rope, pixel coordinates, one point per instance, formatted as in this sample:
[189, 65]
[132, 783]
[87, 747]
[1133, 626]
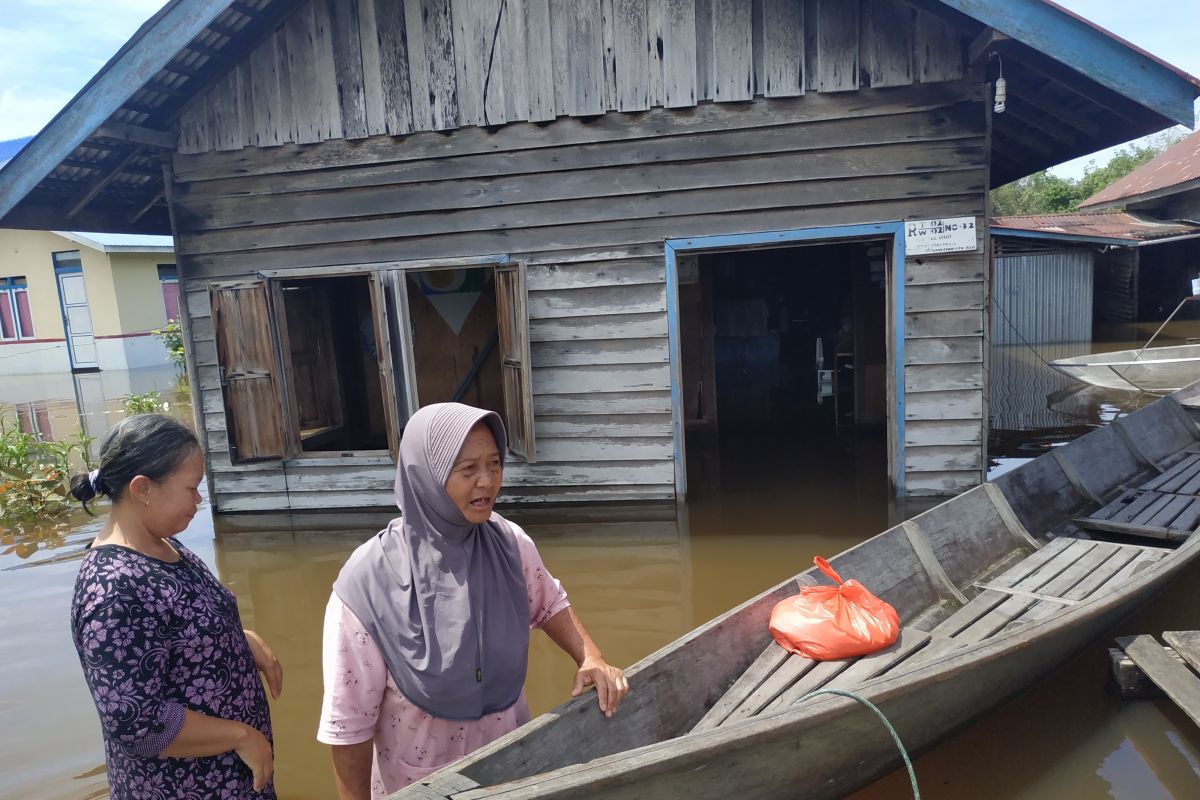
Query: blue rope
[912, 775]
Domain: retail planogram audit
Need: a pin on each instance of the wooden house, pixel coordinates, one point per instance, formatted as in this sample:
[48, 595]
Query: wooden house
[608, 219]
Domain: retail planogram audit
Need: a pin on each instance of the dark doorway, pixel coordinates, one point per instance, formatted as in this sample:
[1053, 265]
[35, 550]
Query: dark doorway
[331, 346]
[785, 368]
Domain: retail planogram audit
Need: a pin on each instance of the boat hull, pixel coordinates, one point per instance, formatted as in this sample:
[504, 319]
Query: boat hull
[1159, 369]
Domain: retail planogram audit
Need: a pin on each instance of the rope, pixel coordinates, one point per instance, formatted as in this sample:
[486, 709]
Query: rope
[1024, 341]
[912, 775]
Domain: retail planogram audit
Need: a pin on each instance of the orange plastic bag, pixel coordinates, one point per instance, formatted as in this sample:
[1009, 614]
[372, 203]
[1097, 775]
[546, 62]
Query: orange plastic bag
[828, 622]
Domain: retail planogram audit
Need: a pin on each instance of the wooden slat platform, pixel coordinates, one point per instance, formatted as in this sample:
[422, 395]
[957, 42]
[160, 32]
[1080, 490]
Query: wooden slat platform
[1166, 506]
[1173, 669]
[1064, 572]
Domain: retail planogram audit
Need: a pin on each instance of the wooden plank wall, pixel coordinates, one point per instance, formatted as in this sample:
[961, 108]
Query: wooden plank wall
[587, 205]
[357, 68]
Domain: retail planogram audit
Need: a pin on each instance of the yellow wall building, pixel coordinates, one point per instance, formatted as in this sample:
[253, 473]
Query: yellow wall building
[83, 301]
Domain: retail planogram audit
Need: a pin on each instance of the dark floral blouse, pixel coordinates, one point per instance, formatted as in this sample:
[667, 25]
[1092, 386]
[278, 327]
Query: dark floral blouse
[155, 638]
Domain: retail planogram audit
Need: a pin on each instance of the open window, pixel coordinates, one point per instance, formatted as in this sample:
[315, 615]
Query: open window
[467, 341]
[321, 363]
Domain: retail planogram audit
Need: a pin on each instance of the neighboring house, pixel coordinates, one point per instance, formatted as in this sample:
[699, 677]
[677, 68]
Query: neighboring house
[1135, 244]
[1167, 187]
[82, 301]
[581, 218]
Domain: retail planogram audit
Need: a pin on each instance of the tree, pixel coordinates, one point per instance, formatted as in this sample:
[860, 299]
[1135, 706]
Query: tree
[1045, 193]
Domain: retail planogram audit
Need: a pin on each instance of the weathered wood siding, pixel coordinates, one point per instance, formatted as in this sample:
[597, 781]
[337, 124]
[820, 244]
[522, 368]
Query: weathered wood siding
[587, 205]
[349, 69]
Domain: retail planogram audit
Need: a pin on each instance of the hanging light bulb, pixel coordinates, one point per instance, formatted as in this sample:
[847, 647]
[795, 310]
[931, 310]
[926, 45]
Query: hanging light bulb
[1001, 90]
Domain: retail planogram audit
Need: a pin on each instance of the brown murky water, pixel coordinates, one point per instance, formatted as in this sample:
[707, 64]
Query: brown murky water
[639, 577]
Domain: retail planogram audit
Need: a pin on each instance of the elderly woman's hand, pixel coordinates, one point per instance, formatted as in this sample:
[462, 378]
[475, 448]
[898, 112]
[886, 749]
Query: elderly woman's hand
[610, 683]
[266, 662]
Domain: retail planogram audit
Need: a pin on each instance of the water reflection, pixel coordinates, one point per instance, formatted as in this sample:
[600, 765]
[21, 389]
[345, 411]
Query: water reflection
[60, 405]
[639, 576]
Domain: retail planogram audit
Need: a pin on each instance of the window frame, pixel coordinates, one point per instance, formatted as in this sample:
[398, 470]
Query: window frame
[9, 289]
[389, 292]
[171, 278]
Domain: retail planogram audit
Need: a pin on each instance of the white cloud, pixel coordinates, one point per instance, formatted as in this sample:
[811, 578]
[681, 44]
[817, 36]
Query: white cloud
[26, 110]
[50, 48]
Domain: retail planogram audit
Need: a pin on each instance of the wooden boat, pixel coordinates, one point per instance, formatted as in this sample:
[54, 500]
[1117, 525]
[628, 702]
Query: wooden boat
[995, 588]
[1156, 369]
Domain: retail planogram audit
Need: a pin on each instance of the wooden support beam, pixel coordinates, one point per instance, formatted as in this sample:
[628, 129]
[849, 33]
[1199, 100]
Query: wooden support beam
[181, 69]
[162, 88]
[1019, 110]
[141, 212]
[1075, 83]
[100, 166]
[103, 180]
[1039, 98]
[205, 50]
[136, 134]
[978, 49]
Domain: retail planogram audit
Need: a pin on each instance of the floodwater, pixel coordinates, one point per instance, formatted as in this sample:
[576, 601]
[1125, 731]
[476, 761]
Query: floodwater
[639, 578]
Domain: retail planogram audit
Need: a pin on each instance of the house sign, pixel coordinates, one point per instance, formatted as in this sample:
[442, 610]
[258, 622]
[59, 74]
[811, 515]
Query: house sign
[924, 237]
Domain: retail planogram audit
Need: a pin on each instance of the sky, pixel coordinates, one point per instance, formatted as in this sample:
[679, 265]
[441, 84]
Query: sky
[43, 62]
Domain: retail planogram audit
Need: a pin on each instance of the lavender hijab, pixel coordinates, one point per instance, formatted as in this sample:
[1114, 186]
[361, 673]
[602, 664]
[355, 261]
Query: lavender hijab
[444, 599]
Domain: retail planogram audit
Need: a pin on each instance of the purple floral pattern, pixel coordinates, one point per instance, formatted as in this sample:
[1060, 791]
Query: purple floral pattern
[155, 638]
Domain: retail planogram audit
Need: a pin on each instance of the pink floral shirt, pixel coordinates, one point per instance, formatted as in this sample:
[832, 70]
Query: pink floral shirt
[363, 702]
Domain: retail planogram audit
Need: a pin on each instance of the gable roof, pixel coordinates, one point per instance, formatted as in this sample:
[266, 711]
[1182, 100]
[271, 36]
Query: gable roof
[1112, 228]
[1174, 170]
[1074, 89]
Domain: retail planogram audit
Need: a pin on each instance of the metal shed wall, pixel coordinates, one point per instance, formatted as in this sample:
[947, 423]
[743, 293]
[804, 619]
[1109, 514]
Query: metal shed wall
[1042, 297]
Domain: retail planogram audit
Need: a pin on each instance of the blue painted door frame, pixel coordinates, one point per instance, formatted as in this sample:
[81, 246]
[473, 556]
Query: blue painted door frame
[775, 239]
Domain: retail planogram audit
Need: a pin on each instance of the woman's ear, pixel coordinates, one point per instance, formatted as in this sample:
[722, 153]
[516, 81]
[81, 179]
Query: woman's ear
[139, 490]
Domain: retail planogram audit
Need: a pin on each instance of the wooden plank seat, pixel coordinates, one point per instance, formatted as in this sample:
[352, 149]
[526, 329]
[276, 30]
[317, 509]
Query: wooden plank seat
[1154, 513]
[1063, 572]
[1163, 506]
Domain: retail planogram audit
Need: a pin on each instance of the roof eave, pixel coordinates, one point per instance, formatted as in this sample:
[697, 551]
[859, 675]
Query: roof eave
[85, 241]
[150, 49]
[1091, 51]
[1142, 197]
[1078, 238]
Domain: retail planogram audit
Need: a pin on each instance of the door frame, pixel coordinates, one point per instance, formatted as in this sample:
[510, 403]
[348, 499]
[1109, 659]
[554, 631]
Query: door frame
[833, 234]
[59, 272]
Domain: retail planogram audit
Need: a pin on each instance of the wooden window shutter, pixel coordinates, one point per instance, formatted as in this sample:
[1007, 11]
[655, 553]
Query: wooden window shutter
[516, 370]
[387, 370]
[250, 371]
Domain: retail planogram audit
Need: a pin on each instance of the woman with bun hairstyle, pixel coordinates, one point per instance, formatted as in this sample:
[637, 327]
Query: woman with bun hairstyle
[170, 668]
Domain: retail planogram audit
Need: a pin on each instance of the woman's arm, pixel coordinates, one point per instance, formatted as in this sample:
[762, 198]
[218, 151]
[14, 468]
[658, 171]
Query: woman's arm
[202, 735]
[567, 631]
[352, 770]
[267, 663]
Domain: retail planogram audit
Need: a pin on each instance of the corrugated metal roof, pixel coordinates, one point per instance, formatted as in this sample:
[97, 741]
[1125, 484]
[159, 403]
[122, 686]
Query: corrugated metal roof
[121, 242]
[11, 147]
[1177, 165]
[1091, 226]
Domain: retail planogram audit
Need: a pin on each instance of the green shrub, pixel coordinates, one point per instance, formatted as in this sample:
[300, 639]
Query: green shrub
[171, 335]
[148, 403]
[34, 473]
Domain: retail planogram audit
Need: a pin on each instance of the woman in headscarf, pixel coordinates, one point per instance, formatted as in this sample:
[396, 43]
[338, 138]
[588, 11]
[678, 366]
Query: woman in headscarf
[427, 630]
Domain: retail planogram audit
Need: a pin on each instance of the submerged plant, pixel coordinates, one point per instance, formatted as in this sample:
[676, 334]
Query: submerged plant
[148, 403]
[34, 472]
[171, 335]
